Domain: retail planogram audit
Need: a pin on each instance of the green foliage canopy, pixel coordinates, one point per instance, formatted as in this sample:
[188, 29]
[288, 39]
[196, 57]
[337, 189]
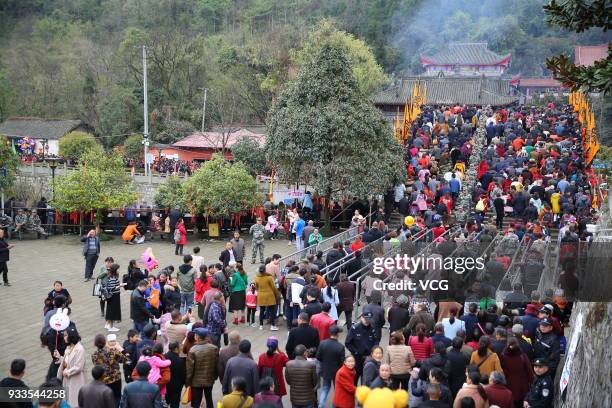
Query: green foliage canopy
[220, 188]
[578, 16]
[324, 131]
[99, 182]
[76, 144]
[253, 156]
[171, 194]
[133, 146]
[369, 75]
[8, 161]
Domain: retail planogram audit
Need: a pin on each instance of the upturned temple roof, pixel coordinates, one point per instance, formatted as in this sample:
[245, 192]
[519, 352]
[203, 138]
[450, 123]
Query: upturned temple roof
[450, 90]
[466, 54]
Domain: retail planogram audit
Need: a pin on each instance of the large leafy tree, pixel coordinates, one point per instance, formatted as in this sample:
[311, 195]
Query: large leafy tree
[76, 144]
[133, 146]
[324, 131]
[171, 194]
[220, 188]
[580, 16]
[8, 163]
[369, 75]
[251, 154]
[100, 182]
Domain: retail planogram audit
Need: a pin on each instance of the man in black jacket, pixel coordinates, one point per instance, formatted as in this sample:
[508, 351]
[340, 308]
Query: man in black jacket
[139, 393]
[360, 340]
[5, 248]
[404, 205]
[227, 255]
[91, 251]
[458, 362]
[14, 380]
[302, 334]
[331, 356]
[546, 345]
[177, 375]
[96, 394]
[138, 309]
[334, 255]
[377, 312]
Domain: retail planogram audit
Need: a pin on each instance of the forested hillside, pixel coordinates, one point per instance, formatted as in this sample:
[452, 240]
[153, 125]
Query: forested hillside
[82, 58]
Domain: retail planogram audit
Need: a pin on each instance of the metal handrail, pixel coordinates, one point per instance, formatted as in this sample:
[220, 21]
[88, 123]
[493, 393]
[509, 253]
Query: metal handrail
[303, 253]
[333, 267]
[509, 275]
[361, 274]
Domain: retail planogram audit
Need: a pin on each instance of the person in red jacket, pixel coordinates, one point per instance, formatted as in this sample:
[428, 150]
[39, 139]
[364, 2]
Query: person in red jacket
[497, 391]
[275, 360]
[323, 321]
[182, 241]
[517, 370]
[422, 347]
[344, 395]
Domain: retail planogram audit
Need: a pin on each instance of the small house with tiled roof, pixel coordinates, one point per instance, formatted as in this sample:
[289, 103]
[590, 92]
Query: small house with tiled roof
[200, 146]
[466, 59]
[46, 132]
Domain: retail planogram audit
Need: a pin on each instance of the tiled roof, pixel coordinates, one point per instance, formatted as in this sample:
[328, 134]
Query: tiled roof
[587, 54]
[37, 128]
[540, 82]
[466, 54]
[214, 140]
[450, 90]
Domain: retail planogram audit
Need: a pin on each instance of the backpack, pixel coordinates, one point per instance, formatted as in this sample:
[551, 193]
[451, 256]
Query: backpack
[177, 235]
[105, 292]
[129, 282]
[224, 286]
[269, 372]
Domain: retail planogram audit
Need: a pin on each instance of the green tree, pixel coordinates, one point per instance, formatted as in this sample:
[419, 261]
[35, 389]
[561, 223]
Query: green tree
[6, 96]
[120, 113]
[8, 162]
[221, 188]
[324, 131]
[579, 16]
[369, 75]
[171, 131]
[133, 147]
[171, 194]
[251, 154]
[100, 182]
[76, 144]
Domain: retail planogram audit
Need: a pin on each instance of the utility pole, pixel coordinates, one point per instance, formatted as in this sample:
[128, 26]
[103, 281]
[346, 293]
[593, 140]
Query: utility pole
[204, 109]
[145, 140]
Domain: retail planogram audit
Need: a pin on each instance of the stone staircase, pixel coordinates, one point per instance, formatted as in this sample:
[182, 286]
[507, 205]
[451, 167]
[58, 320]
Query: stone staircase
[490, 216]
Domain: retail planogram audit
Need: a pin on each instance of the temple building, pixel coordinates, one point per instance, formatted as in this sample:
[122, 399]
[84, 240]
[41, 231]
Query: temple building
[441, 90]
[466, 59]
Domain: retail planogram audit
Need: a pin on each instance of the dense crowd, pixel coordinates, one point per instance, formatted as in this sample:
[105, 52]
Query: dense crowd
[456, 348]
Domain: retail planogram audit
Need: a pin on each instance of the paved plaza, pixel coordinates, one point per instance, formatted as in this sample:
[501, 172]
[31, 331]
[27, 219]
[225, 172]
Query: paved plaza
[35, 264]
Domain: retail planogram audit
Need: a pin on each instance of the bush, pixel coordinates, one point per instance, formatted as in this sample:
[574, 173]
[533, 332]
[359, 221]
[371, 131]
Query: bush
[75, 144]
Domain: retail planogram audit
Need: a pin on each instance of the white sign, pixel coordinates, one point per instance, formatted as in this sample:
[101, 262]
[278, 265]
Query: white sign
[60, 320]
[287, 195]
[150, 158]
[569, 354]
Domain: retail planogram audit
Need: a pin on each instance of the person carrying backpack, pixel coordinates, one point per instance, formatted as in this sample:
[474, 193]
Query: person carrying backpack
[271, 364]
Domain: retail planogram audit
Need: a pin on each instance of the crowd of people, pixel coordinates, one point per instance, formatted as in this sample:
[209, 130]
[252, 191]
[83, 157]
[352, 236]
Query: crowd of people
[455, 348]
